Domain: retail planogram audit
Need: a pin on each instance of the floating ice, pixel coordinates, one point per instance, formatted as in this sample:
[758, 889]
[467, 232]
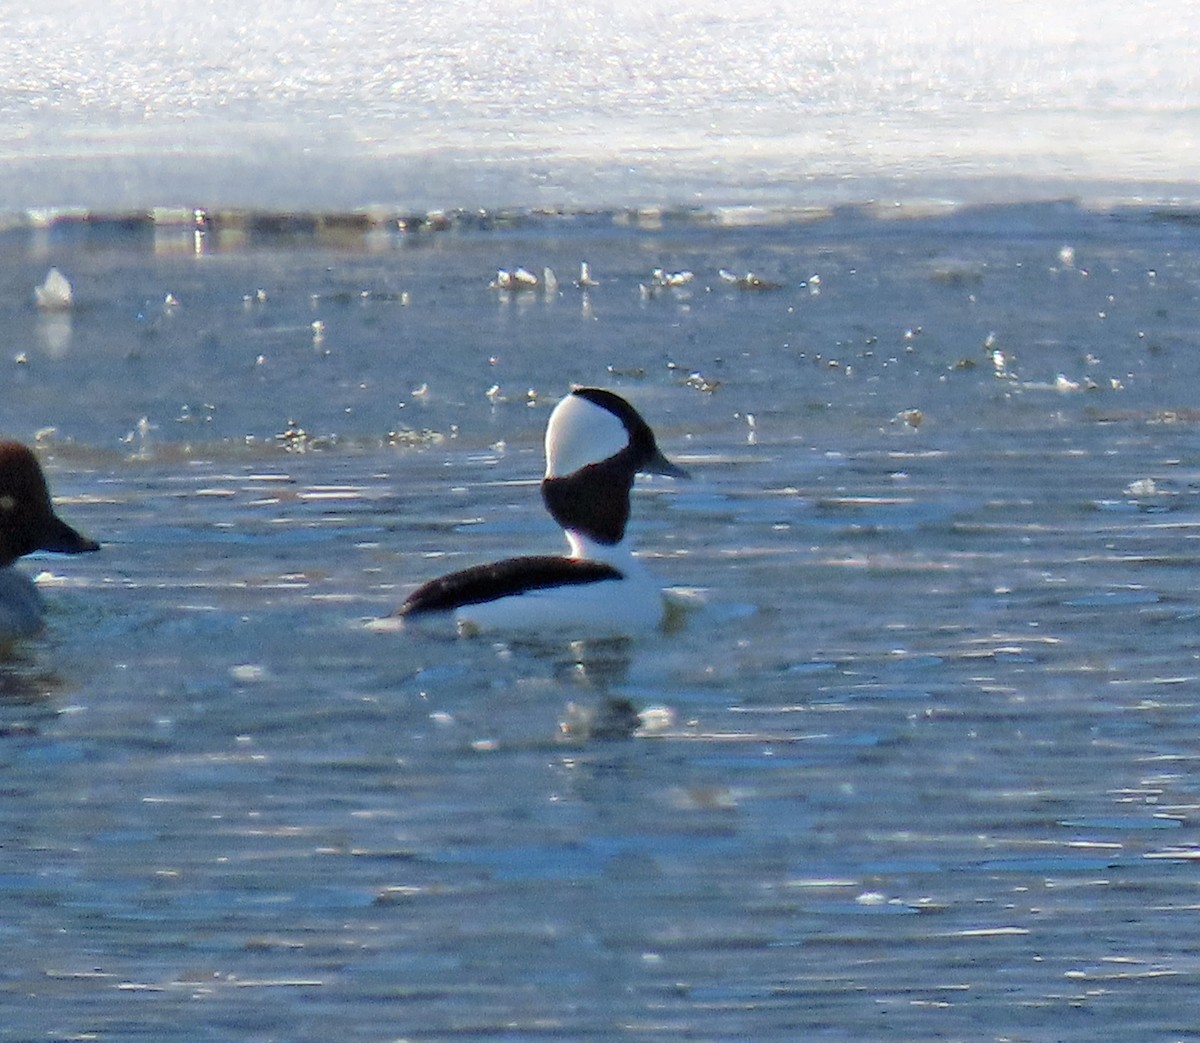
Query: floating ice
[697, 381]
[521, 279]
[660, 280]
[665, 278]
[1142, 487]
[749, 281]
[55, 294]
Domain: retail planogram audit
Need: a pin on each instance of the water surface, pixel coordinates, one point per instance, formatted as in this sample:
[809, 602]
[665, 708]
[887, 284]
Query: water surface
[925, 763]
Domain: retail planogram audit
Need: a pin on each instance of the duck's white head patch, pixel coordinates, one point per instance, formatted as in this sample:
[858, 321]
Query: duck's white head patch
[581, 433]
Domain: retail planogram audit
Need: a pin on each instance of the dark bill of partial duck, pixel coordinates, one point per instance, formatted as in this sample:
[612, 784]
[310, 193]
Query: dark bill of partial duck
[60, 538]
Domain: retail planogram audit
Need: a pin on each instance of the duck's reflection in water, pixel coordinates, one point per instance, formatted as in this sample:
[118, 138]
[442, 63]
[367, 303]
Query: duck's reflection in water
[597, 669]
[27, 693]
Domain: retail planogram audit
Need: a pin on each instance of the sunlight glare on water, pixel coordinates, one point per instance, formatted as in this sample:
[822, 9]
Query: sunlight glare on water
[461, 104]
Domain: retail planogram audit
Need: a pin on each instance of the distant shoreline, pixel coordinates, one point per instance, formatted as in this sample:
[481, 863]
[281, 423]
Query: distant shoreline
[199, 229]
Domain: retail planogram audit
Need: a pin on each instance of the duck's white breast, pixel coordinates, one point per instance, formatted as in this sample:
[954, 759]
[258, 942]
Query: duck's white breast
[609, 608]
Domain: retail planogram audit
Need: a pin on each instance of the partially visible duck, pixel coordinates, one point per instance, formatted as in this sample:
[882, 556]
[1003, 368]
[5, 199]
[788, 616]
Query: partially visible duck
[595, 443]
[28, 523]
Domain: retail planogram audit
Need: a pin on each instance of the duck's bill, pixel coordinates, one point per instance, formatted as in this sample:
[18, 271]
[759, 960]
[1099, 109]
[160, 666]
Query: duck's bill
[659, 464]
[65, 540]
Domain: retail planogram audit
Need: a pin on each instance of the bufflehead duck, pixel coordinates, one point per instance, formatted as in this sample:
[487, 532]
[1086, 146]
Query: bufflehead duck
[27, 523]
[595, 443]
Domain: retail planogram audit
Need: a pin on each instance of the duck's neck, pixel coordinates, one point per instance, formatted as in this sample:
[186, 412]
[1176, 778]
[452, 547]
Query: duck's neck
[594, 499]
[619, 555]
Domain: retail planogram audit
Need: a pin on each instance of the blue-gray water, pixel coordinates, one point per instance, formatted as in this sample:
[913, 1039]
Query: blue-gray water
[930, 768]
